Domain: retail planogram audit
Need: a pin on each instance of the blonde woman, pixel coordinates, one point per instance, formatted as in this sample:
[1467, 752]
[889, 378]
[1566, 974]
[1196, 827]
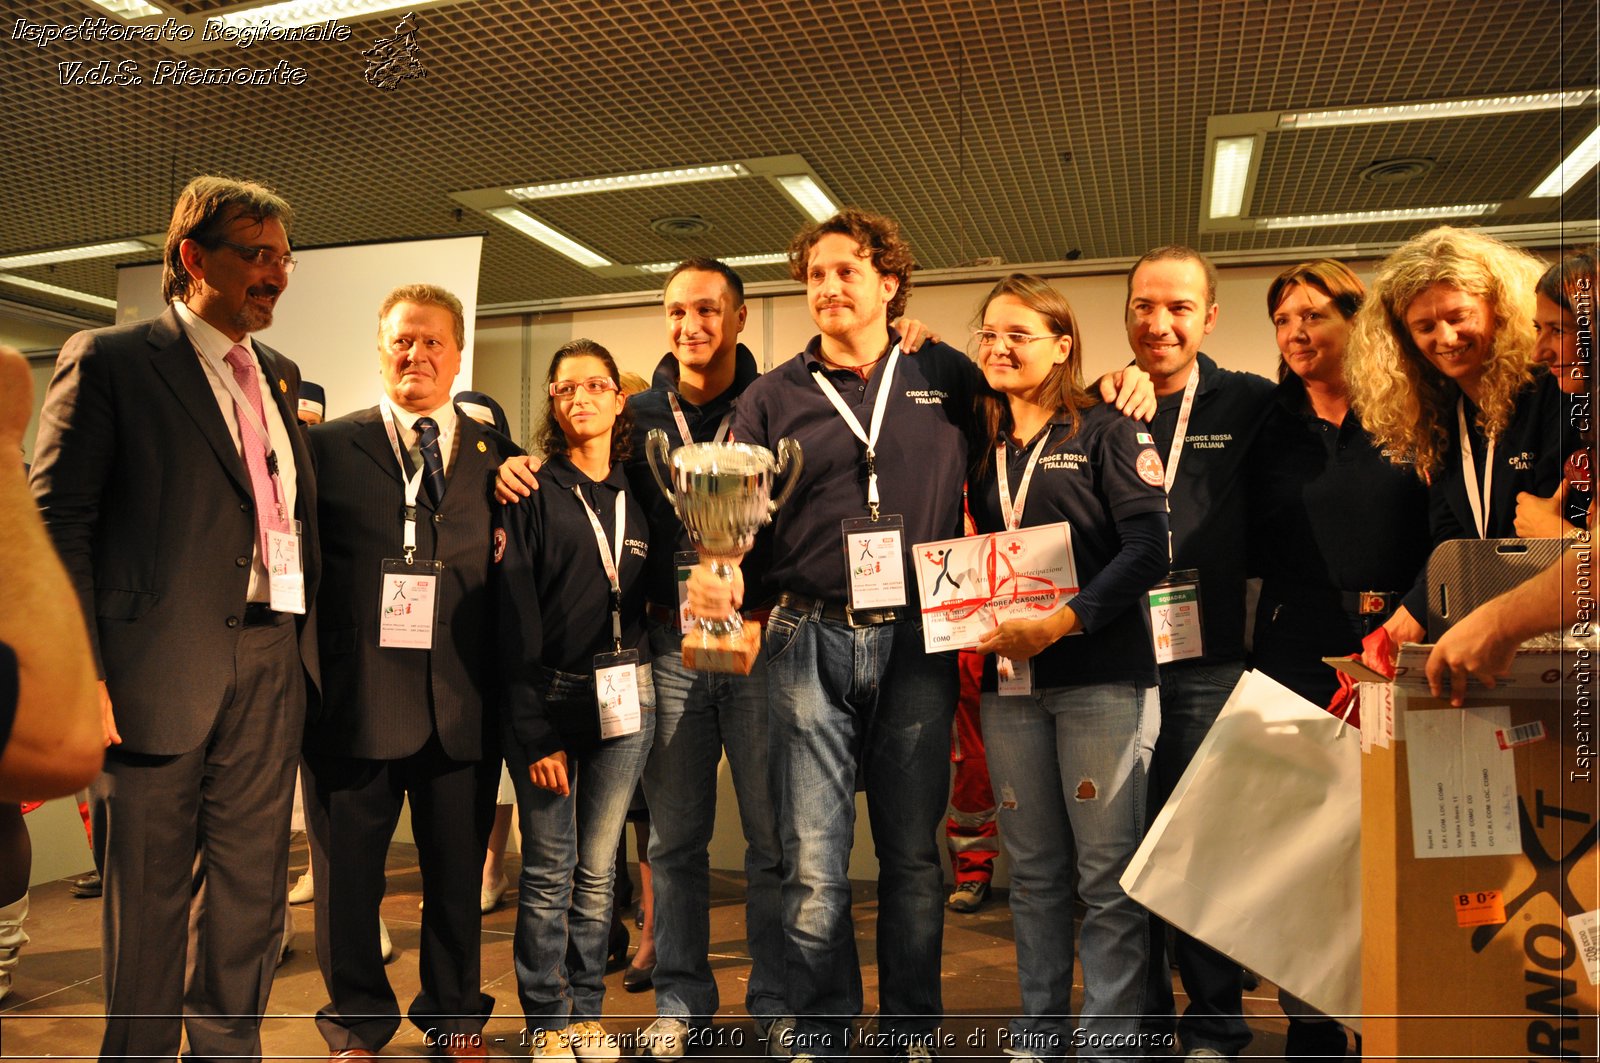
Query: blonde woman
[1441, 376]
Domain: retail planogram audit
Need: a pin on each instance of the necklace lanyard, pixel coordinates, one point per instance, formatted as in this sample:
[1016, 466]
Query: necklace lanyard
[409, 514]
[1181, 432]
[683, 424]
[246, 414]
[850, 419]
[611, 565]
[1469, 470]
[1009, 509]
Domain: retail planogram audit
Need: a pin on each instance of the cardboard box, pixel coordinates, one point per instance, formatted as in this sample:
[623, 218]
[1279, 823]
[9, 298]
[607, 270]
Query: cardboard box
[1521, 983]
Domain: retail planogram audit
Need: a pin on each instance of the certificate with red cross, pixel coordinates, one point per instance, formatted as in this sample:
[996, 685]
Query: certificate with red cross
[967, 586]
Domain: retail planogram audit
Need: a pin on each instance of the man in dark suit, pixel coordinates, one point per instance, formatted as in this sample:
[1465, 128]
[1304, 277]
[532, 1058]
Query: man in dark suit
[172, 478]
[404, 626]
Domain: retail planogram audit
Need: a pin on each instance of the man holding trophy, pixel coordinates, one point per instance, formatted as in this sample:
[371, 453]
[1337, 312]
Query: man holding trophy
[850, 689]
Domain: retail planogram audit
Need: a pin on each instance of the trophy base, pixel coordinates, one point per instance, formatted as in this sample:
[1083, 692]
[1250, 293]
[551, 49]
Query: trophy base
[734, 655]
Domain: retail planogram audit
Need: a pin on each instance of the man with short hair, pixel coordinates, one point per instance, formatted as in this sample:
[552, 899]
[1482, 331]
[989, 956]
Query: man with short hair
[850, 689]
[1205, 419]
[180, 495]
[404, 624]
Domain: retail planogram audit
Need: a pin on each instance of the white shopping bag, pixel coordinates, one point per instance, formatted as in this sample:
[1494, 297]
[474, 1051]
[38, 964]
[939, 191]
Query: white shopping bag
[1257, 852]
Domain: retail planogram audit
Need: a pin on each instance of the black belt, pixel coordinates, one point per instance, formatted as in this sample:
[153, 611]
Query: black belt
[841, 613]
[259, 614]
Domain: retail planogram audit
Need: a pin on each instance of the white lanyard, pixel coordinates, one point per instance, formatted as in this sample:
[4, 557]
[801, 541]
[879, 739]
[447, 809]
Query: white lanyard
[611, 566]
[683, 425]
[1469, 471]
[850, 419]
[413, 485]
[248, 419]
[1181, 432]
[1012, 510]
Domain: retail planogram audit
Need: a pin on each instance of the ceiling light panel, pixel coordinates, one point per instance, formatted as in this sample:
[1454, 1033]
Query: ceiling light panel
[618, 182]
[128, 9]
[809, 195]
[1373, 217]
[1572, 169]
[735, 261]
[534, 229]
[57, 290]
[73, 254]
[1414, 112]
[292, 13]
[1230, 172]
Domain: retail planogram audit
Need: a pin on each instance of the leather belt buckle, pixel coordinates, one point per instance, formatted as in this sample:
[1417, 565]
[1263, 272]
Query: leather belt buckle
[1372, 603]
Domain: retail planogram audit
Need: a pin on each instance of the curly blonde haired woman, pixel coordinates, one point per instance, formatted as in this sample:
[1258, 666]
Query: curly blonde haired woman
[1441, 376]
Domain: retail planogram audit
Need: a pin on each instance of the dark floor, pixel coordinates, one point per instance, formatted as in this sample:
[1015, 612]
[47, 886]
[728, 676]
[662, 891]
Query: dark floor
[54, 1009]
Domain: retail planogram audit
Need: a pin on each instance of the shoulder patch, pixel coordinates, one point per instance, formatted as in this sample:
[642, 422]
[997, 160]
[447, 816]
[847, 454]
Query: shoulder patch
[1148, 466]
[499, 544]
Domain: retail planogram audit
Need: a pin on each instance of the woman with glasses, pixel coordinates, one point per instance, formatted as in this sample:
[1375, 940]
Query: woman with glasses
[1069, 704]
[579, 701]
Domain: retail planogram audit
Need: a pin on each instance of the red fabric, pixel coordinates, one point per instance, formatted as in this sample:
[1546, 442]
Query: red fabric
[1375, 647]
[973, 846]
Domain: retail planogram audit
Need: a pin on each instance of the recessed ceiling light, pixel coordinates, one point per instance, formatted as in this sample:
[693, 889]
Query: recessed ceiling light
[534, 229]
[290, 13]
[809, 195]
[1413, 112]
[54, 289]
[128, 9]
[73, 254]
[651, 178]
[1229, 172]
[1370, 217]
[735, 261]
[1572, 169]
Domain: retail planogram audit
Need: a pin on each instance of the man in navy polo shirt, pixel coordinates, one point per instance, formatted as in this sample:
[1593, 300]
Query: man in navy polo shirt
[850, 690]
[1205, 418]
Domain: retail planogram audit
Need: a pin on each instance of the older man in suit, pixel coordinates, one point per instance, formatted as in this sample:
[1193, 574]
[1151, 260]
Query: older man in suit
[404, 627]
[181, 497]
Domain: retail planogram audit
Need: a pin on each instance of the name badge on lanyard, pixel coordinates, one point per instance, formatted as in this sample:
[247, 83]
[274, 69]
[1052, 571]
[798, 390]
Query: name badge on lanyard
[1477, 500]
[408, 595]
[616, 674]
[286, 580]
[1015, 676]
[684, 561]
[1175, 617]
[874, 558]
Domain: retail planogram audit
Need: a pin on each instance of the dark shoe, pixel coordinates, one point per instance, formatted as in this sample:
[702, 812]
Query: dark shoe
[617, 947]
[968, 897]
[86, 885]
[638, 979]
[638, 917]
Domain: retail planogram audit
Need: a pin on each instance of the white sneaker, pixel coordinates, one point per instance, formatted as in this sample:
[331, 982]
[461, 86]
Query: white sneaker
[666, 1038]
[780, 1038]
[385, 946]
[551, 1045]
[303, 890]
[591, 1043]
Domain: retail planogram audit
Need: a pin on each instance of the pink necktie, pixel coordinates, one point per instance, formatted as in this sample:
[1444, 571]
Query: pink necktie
[269, 515]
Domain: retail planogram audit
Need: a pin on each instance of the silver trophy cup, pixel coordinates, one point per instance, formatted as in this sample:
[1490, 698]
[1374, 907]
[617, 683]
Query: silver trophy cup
[723, 493]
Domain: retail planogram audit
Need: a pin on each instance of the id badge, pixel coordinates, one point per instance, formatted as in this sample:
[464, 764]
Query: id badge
[1020, 682]
[684, 561]
[875, 562]
[1175, 617]
[286, 576]
[616, 690]
[408, 604]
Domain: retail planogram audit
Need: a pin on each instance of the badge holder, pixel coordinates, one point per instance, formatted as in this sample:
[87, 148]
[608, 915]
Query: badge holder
[1175, 617]
[408, 603]
[874, 559]
[1019, 684]
[286, 580]
[616, 692]
[683, 562]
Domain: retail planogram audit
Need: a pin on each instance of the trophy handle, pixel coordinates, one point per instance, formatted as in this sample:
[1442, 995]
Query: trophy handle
[657, 452]
[790, 462]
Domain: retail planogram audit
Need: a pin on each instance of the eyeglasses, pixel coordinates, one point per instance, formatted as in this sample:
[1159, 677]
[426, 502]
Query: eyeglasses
[261, 256]
[595, 385]
[988, 337]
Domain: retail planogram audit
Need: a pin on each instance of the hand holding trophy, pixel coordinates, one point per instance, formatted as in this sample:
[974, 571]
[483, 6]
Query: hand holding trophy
[723, 493]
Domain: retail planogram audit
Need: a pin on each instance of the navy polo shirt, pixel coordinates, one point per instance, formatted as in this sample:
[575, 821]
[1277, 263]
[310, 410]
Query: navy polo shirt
[651, 409]
[1092, 481]
[1208, 500]
[1329, 511]
[921, 456]
[554, 599]
[1528, 457]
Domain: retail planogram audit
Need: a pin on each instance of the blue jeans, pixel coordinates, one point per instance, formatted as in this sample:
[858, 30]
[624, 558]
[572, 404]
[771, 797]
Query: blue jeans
[569, 852]
[698, 716]
[1069, 768]
[844, 702]
[1191, 697]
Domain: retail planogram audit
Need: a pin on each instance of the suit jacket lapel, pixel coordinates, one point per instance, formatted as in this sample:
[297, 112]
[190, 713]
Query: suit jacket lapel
[373, 441]
[179, 364]
[469, 470]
